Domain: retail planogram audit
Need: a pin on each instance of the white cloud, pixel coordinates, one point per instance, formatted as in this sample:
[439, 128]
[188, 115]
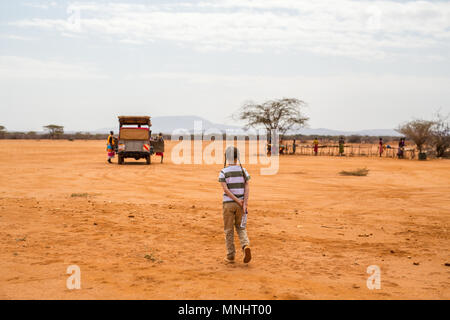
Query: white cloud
[12, 67]
[15, 37]
[359, 29]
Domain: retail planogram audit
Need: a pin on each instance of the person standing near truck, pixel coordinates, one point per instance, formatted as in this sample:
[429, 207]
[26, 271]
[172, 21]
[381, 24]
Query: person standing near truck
[160, 140]
[234, 180]
[110, 146]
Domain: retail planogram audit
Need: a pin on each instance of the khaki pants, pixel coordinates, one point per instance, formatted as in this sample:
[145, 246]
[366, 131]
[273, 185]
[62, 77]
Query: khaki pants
[232, 215]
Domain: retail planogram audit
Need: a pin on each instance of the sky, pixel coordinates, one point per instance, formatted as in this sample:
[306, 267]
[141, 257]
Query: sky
[357, 64]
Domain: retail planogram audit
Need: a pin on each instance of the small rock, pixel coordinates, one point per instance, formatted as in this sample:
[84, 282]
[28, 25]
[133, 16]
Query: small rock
[130, 216]
[193, 207]
[409, 257]
[416, 263]
[392, 251]
[355, 286]
[95, 223]
[447, 264]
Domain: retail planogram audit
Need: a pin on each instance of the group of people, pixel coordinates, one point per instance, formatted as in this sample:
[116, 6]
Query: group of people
[381, 147]
[284, 147]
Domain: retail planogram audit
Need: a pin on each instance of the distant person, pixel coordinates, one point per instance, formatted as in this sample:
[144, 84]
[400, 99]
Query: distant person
[160, 139]
[282, 147]
[316, 146]
[294, 147]
[380, 147]
[110, 146]
[341, 146]
[401, 148]
[234, 180]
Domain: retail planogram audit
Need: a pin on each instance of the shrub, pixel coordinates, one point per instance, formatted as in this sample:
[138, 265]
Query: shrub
[358, 172]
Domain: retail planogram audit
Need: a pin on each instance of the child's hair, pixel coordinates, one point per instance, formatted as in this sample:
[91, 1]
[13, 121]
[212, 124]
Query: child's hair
[232, 153]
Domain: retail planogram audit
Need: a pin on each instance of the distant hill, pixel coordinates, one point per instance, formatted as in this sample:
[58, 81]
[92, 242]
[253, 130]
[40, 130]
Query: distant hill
[168, 124]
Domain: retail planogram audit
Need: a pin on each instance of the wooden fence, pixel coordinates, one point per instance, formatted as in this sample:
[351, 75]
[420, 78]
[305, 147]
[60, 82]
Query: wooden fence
[350, 150]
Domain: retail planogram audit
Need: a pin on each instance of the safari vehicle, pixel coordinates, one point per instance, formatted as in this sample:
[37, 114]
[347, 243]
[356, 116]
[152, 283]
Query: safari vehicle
[135, 139]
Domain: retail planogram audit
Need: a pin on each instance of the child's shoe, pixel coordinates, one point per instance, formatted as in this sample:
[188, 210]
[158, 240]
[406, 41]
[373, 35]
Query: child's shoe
[228, 260]
[247, 254]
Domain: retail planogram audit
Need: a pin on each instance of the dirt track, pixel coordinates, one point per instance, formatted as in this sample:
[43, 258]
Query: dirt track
[155, 232]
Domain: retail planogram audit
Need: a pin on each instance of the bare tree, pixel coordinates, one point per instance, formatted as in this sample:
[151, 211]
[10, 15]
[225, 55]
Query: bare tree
[280, 114]
[54, 130]
[419, 131]
[441, 134]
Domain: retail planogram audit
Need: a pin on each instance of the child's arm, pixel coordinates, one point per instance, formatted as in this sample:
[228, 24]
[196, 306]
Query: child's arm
[230, 194]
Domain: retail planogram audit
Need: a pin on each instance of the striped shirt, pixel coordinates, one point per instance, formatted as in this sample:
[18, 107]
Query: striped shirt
[235, 181]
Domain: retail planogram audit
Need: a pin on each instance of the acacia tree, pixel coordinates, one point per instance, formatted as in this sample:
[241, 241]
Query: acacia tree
[419, 131]
[441, 134]
[280, 114]
[54, 130]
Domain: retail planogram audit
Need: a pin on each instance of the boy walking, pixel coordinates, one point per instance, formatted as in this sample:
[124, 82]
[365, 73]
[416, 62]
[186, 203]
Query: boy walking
[234, 180]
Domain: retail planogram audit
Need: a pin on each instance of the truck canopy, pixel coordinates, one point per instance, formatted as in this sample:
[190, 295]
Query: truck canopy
[134, 134]
[134, 120]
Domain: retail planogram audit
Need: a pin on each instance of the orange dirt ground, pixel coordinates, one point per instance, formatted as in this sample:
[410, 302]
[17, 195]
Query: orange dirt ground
[155, 232]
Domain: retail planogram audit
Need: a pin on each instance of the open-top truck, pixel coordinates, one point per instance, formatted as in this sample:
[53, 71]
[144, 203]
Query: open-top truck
[135, 139]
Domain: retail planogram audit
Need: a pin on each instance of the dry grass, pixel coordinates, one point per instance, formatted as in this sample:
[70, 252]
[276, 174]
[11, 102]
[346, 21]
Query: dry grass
[358, 172]
[79, 195]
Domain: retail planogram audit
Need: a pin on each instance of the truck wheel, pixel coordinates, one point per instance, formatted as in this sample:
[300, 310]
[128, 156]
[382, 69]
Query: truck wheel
[149, 160]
